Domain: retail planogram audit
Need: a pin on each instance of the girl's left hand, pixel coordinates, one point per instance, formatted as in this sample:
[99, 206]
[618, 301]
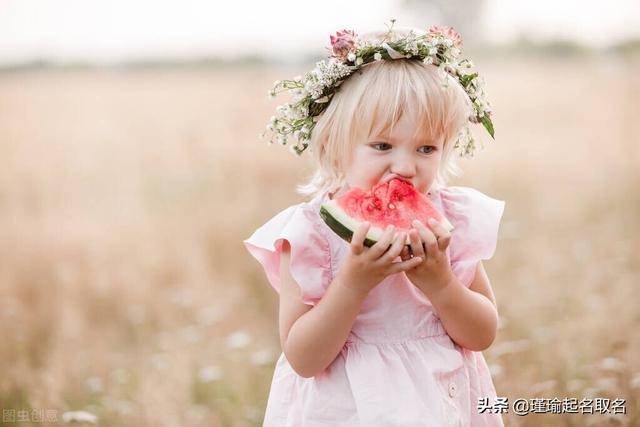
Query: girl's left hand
[434, 272]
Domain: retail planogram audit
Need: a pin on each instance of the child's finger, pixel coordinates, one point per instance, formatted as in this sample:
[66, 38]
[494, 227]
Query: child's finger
[427, 236]
[442, 235]
[396, 247]
[397, 267]
[416, 243]
[357, 240]
[383, 243]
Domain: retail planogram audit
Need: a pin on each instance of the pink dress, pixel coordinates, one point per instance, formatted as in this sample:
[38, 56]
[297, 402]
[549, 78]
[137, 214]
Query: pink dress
[398, 366]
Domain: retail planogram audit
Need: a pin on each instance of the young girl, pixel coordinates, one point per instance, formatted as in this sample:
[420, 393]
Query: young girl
[370, 336]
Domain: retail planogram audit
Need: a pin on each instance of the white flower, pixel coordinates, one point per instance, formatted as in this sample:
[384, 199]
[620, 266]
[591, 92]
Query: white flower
[495, 369]
[209, 374]
[79, 416]
[607, 383]
[159, 362]
[635, 380]
[506, 347]
[542, 386]
[94, 384]
[611, 364]
[120, 376]
[575, 384]
[263, 357]
[242, 338]
[252, 413]
[323, 81]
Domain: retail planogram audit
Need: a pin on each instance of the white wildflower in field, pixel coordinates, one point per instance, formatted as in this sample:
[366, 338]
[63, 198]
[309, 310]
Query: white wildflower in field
[120, 376]
[611, 364]
[502, 322]
[263, 357]
[159, 362]
[210, 315]
[542, 386]
[635, 380]
[182, 297]
[252, 413]
[190, 334]
[607, 383]
[575, 384]
[119, 406]
[509, 347]
[495, 369]
[238, 339]
[79, 416]
[197, 413]
[590, 392]
[94, 384]
[209, 374]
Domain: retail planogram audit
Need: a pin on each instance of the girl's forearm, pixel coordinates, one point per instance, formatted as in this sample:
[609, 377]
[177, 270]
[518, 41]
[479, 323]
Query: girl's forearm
[469, 317]
[316, 338]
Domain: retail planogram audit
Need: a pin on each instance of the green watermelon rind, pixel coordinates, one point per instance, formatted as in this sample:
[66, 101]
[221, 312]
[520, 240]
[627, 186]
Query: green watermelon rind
[344, 226]
[331, 218]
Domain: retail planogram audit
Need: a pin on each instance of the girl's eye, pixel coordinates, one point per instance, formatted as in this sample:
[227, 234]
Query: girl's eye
[428, 149]
[383, 146]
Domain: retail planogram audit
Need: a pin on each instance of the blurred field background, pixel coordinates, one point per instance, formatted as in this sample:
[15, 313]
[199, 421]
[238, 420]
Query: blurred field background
[126, 192]
[125, 290]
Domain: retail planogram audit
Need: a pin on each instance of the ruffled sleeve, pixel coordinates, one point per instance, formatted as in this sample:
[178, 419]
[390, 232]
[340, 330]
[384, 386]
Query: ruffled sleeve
[310, 264]
[476, 220]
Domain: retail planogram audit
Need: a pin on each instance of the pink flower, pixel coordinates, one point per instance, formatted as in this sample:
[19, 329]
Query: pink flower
[343, 43]
[448, 32]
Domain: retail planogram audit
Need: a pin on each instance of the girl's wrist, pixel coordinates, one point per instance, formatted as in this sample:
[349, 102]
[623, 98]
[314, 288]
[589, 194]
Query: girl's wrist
[438, 288]
[354, 285]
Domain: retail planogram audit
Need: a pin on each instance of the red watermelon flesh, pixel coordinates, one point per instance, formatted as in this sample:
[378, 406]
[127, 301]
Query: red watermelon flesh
[395, 202]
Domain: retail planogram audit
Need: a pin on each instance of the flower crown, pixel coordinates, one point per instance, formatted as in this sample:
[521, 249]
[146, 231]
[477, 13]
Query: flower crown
[440, 46]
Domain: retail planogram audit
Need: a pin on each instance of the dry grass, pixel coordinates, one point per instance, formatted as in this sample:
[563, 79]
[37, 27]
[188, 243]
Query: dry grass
[124, 197]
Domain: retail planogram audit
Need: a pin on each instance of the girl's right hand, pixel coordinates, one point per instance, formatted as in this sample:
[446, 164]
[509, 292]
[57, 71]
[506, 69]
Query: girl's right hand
[364, 268]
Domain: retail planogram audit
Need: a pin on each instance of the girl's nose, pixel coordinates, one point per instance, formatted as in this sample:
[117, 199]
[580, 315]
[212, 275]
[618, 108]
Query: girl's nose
[404, 165]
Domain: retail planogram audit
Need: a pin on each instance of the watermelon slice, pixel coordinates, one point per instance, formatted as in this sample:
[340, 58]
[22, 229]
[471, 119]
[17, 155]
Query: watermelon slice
[395, 202]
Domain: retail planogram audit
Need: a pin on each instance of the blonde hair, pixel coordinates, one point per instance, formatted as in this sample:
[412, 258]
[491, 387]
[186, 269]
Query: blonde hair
[371, 101]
